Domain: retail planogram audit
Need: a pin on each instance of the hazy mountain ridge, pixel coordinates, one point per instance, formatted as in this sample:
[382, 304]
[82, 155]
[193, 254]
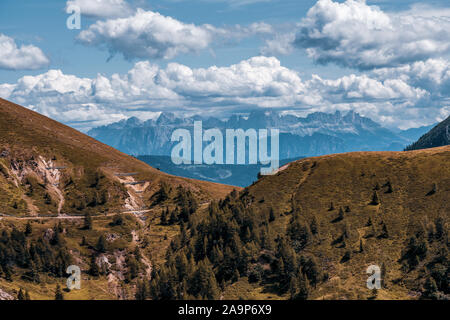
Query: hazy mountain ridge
[316, 134]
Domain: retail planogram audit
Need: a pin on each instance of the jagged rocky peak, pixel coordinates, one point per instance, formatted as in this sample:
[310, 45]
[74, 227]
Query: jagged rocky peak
[166, 118]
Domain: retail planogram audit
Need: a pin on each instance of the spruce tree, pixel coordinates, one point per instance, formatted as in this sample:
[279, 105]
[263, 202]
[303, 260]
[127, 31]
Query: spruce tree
[94, 270]
[389, 187]
[20, 295]
[87, 221]
[375, 200]
[331, 206]
[101, 244]
[58, 293]
[430, 288]
[271, 215]
[28, 229]
[164, 214]
[384, 232]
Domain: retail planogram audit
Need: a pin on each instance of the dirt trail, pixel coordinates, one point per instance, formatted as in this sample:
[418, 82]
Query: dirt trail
[68, 217]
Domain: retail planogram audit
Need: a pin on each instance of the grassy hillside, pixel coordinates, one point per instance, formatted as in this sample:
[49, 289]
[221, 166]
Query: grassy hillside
[54, 181]
[314, 228]
[34, 147]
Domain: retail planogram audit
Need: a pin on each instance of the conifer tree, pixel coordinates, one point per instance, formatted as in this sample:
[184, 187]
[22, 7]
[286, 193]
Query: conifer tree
[28, 229]
[164, 214]
[94, 270]
[389, 187]
[430, 288]
[101, 244]
[20, 295]
[87, 221]
[375, 200]
[58, 293]
[384, 232]
[331, 206]
[271, 215]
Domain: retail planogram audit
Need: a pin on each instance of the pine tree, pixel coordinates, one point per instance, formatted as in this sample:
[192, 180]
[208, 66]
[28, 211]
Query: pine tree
[271, 215]
[374, 293]
[293, 287]
[87, 221]
[389, 187]
[303, 290]
[27, 295]
[430, 288]
[331, 206]
[94, 270]
[384, 232]
[173, 216]
[101, 244]
[47, 199]
[164, 214]
[347, 256]
[20, 295]
[141, 290]
[383, 275]
[440, 229]
[361, 249]
[58, 293]
[375, 200]
[28, 229]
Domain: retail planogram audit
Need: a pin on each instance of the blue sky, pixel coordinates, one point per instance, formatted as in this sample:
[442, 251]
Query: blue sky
[388, 60]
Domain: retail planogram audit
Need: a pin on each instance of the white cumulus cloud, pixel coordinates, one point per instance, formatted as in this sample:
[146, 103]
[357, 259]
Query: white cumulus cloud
[148, 34]
[354, 34]
[25, 57]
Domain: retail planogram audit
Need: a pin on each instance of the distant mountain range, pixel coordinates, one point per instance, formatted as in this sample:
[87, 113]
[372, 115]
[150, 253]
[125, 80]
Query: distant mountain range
[316, 134]
[437, 137]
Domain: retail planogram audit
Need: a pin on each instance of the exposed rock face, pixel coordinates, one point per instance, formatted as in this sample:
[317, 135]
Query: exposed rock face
[5, 296]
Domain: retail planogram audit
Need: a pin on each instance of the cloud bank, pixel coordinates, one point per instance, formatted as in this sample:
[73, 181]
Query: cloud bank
[405, 97]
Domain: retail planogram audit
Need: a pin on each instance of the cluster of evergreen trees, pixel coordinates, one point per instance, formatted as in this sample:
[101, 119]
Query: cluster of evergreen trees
[437, 266]
[50, 256]
[233, 242]
[186, 205]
